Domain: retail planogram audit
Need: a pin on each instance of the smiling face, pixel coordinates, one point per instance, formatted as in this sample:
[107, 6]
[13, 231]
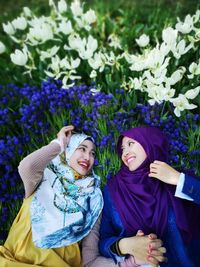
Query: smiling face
[82, 159]
[133, 154]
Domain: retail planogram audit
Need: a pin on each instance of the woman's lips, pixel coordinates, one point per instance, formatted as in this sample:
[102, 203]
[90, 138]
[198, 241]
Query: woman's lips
[130, 159]
[84, 164]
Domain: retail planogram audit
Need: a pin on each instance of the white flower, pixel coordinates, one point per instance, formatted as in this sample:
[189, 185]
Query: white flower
[176, 76]
[181, 103]
[129, 58]
[112, 60]
[160, 74]
[49, 53]
[156, 58]
[87, 49]
[40, 33]
[169, 36]
[138, 62]
[55, 67]
[143, 40]
[62, 6]
[114, 41]
[69, 76]
[197, 35]
[194, 70]
[136, 83]
[159, 93]
[192, 93]
[186, 26]
[2, 48]
[19, 23]
[76, 8]
[97, 62]
[75, 41]
[70, 64]
[196, 16]
[93, 74]
[51, 3]
[158, 78]
[27, 11]
[65, 27]
[81, 24]
[19, 57]
[95, 91]
[8, 28]
[181, 49]
[90, 17]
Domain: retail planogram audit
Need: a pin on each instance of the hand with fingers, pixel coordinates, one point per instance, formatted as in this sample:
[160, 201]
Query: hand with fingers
[146, 249]
[155, 250]
[164, 172]
[64, 135]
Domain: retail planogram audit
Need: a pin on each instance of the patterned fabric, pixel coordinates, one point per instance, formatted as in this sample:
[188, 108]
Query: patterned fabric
[63, 209]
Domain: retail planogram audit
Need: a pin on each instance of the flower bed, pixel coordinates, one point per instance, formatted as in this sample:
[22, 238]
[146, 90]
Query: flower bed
[96, 72]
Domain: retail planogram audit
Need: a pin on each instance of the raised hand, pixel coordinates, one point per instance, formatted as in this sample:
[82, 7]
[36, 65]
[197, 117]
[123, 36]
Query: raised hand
[163, 172]
[64, 135]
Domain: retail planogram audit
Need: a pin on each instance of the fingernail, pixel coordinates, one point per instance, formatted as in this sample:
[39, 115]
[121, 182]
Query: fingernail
[149, 258]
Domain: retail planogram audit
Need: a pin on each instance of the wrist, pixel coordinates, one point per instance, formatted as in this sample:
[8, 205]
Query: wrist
[60, 143]
[122, 246]
[176, 178]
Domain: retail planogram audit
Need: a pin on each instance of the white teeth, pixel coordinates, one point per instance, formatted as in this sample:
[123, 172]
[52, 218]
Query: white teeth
[130, 159]
[83, 164]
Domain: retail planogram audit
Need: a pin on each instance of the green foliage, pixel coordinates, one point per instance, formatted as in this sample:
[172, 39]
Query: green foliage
[127, 20]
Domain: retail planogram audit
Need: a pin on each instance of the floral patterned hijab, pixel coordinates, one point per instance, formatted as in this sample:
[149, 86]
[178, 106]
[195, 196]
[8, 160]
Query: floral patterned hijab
[64, 209]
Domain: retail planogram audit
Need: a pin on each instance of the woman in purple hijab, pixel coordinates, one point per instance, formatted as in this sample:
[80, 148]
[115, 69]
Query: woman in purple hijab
[135, 199]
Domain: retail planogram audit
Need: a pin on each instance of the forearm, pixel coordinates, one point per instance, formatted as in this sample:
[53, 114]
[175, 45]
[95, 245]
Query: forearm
[31, 168]
[90, 250]
[100, 261]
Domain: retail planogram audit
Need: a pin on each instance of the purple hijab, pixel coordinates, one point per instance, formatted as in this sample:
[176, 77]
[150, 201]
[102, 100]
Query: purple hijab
[142, 201]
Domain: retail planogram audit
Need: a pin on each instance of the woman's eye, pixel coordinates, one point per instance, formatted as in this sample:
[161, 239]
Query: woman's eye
[131, 143]
[82, 149]
[93, 154]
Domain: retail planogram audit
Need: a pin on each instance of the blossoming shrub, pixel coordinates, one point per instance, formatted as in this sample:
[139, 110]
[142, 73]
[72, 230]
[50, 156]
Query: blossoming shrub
[142, 74]
[32, 115]
[72, 43]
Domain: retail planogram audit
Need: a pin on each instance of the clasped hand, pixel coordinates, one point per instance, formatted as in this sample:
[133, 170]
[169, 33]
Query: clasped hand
[146, 249]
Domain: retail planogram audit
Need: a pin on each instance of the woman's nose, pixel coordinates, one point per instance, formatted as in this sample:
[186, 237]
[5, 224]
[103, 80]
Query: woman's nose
[86, 156]
[125, 152]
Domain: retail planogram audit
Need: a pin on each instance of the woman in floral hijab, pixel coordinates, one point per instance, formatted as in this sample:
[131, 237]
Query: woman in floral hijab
[62, 203]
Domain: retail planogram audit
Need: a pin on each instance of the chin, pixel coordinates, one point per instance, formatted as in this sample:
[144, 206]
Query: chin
[83, 172]
[132, 168]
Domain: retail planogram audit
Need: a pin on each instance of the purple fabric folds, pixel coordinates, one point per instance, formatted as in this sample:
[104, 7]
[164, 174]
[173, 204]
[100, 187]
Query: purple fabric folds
[142, 201]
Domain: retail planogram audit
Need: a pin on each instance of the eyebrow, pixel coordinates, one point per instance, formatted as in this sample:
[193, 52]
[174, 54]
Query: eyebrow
[132, 140]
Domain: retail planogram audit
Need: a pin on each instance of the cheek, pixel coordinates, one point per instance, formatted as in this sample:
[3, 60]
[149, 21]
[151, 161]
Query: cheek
[144, 155]
[73, 159]
[71, 163]
[123, 159]
[91, 162]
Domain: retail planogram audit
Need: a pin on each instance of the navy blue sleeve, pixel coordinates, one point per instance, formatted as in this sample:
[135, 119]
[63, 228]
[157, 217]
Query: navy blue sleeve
[108, 232]
[191, 188]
